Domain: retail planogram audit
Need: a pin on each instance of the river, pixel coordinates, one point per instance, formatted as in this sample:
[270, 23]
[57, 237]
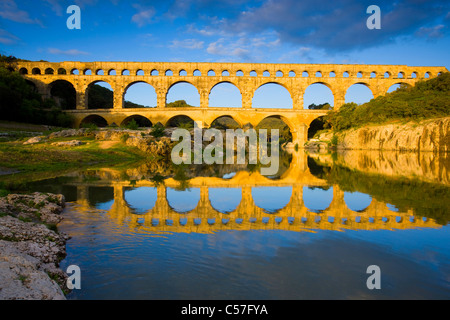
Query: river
[227, 232]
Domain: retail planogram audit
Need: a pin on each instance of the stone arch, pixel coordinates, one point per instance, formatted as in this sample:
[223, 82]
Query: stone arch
[318, 74]
[49, 71]
[279, 74]
[64, 94]
[99, 121]
[36, 71]
[100, 72]
[225, 73]
[292, 74]
[62, 71]
[318, 93]
[285, 131]
[197, 73]
[396, 86]
[87, 72]
[191, 96]
[229, 124]
[75, 71]
[361, 90]
[112, 72]
[239, 73]
[154, 72]
[305, 74]
[266, 73]
[211, 73]
[125, 72]
[23, 71]
[168, 73]
[139, 119]
[145, 93]
[175, 121]
[332, 74]
[182, 73]
[232, 89]
[105, 97]
[253, 73]
[140, 72]
[315, 126]
[276, 94]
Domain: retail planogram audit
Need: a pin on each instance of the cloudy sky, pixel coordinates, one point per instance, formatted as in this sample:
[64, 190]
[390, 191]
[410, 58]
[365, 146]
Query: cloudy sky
[412, 32]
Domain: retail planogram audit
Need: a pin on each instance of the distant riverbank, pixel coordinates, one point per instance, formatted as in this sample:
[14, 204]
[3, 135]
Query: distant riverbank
[428, 135]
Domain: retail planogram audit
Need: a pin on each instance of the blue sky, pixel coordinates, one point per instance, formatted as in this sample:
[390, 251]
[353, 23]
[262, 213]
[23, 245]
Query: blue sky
[282, 31]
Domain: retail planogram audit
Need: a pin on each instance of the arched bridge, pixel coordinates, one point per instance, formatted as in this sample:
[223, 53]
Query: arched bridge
[247, 77]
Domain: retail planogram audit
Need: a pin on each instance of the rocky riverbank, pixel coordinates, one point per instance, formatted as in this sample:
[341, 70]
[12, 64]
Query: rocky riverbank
[31, 247]
[428, 135]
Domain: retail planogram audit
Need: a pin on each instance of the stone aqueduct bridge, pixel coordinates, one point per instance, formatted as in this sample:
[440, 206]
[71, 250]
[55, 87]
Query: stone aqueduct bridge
[247, 77]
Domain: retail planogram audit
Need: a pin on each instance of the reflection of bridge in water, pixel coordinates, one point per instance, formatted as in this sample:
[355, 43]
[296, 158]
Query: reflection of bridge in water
[205, 218]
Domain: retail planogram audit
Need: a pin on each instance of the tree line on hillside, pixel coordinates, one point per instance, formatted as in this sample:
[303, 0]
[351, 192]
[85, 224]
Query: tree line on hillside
[20, 102]
[426, 100]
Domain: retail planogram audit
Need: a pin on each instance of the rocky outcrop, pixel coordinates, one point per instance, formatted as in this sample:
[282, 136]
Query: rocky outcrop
[429, 135]
[30, 247]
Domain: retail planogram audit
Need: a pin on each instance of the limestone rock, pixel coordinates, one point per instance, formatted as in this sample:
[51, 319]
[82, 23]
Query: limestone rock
[72, 143]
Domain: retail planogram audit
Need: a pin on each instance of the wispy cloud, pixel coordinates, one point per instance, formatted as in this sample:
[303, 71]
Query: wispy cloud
[7, 38]
[187, 44]
[10, 11]
[70, 52]
[143, 16]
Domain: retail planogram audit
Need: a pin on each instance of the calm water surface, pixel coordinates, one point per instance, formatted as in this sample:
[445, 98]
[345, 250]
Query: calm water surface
[229, 233]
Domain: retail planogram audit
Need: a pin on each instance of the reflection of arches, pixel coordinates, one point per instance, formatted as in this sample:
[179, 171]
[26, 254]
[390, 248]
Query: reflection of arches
[358, 93]
[272, 95]
[271, 199]
[140, 200]
[99, 121]
[100, 95]
[64, 94]
[183, 90]
[225, 200]
[139, 94]
[225, 94]
[178, 120]
[140, 120]
[357, 201]
[101, 197]
[183, 201]
[317, 199]
[317, 94]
